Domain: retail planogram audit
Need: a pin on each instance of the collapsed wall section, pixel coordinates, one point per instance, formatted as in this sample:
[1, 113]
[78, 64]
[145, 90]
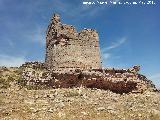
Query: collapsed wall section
[116, 80]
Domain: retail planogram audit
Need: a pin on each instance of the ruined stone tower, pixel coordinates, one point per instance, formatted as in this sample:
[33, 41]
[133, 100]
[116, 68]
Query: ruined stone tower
[68, 49]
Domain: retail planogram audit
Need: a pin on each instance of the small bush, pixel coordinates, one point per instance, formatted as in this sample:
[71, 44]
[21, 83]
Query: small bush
[154, 117]
[4, 83]
[71, 93]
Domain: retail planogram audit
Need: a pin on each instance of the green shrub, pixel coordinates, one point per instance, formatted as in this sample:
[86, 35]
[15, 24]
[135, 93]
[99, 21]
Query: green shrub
[4, 83]
[71, 93]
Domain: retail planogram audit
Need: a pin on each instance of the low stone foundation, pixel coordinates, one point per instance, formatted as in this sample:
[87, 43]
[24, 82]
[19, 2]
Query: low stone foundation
[116, 80]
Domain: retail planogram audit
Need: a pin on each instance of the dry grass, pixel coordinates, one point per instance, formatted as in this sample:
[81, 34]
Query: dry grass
[72, 104]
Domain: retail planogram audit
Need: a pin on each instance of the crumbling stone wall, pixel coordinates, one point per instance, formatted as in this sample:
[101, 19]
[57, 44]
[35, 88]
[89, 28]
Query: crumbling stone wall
[73, 60]
[68, 49]
[116, 80]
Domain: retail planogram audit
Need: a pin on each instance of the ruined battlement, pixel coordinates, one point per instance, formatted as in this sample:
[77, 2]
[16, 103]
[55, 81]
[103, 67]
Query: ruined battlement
[68, 49]
[73, 60]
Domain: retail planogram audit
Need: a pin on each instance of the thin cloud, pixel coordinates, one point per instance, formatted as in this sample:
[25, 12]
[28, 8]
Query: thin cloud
[37, 35]
[106, 56]
[155, 76]
[156, 79]
[11, 61]
[115, 44]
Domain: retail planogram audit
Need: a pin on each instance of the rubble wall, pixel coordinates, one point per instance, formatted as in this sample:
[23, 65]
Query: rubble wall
[116, 80]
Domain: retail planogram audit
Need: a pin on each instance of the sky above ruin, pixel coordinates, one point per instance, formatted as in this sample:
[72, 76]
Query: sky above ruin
[129, 34]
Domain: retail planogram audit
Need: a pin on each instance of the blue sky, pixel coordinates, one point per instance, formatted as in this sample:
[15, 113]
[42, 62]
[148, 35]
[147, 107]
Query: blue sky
[129, 34]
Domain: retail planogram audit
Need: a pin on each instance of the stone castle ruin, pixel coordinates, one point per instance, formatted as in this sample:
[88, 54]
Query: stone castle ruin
[68, 49]
[73, 60]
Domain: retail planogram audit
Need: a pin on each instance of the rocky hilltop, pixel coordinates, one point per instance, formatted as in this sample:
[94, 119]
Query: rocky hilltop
[71, 83]
[73, 60]
[18, 102]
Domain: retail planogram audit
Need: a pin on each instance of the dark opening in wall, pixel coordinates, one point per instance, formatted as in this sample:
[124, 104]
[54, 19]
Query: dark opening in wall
[80, 76]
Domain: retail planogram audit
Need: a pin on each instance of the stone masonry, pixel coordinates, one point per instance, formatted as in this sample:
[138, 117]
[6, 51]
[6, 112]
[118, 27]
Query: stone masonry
[116, 80]
[68, 49]
[73, 60]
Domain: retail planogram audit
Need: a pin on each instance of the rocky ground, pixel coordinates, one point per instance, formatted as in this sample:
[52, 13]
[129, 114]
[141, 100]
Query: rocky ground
[20, 103]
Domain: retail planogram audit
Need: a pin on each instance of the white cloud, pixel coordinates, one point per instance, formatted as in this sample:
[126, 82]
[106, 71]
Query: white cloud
[116, 44]
[106, 56]
[11, 61]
